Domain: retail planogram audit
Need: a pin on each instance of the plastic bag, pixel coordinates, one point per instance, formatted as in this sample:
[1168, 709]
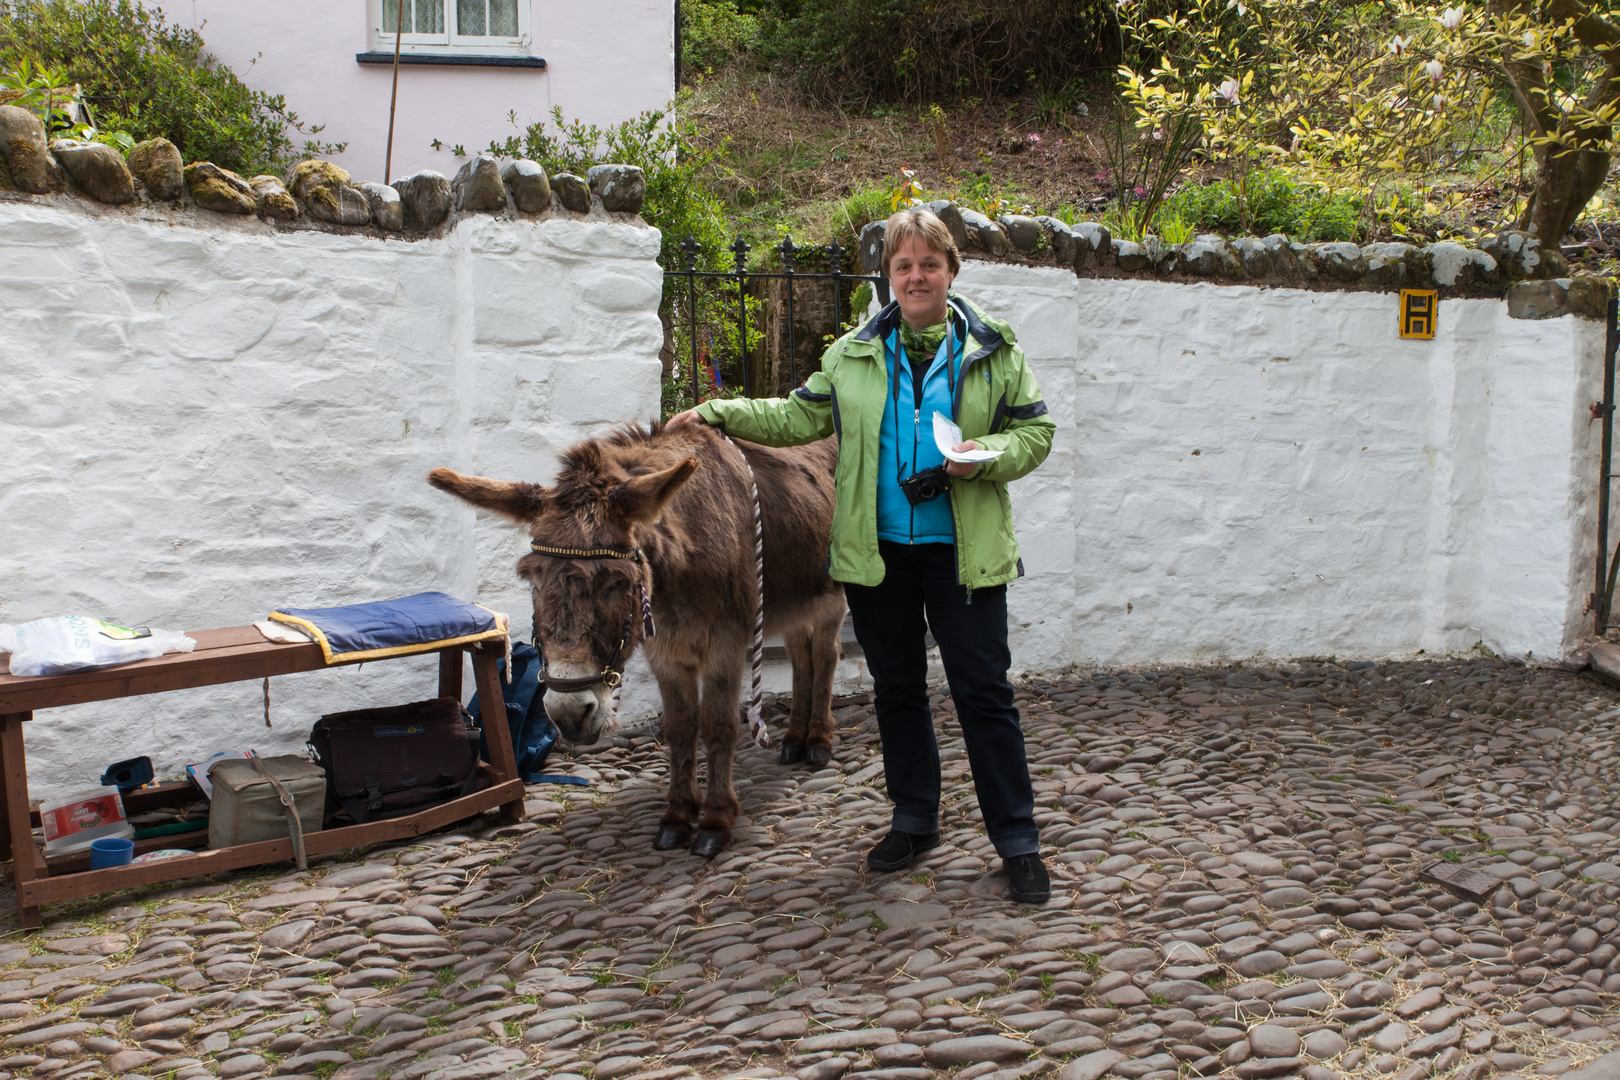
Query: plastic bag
[73, 643]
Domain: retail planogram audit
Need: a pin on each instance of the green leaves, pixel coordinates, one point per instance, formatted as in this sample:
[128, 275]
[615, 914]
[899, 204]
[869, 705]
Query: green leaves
[143, 77]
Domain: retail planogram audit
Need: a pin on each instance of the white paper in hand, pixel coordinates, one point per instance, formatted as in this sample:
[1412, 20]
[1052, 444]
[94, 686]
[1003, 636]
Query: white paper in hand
[947, 435]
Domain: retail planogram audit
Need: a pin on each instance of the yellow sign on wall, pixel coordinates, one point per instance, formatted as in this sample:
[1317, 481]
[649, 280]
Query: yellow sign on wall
[1419, 309]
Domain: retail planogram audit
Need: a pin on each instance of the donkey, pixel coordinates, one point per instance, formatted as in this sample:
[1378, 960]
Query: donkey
[647, 538]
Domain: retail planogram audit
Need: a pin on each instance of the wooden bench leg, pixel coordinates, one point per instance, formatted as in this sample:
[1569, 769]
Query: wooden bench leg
[491, 703]
[450, 664]
[25, 858]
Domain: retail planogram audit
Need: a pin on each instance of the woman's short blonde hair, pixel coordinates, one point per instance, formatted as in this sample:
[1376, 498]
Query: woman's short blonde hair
[919, 222]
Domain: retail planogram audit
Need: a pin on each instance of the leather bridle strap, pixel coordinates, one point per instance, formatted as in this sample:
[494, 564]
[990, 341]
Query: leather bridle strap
[612, 673]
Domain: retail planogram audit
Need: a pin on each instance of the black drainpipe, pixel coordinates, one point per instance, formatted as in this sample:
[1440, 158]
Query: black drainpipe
[677, 44]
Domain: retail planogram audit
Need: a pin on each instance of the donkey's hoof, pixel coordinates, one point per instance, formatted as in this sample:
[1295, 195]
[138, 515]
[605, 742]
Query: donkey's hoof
[710, 842]
[792, 753]
[818, 755]
[671, 837]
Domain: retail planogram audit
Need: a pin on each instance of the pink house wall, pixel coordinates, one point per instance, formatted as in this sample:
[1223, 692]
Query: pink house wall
[607, 61]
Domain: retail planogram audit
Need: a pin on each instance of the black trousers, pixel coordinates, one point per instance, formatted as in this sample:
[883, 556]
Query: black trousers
[920, 583]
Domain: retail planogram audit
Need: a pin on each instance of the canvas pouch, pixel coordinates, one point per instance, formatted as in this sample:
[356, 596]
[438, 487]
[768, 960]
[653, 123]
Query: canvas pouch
[383, 763]
[265, 799]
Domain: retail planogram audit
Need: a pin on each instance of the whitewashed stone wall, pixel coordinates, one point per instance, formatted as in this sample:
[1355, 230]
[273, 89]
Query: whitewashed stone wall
[1244, 472]
[199, 426]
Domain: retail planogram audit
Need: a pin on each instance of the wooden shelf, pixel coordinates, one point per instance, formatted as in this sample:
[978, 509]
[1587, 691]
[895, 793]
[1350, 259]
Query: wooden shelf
[234, 654]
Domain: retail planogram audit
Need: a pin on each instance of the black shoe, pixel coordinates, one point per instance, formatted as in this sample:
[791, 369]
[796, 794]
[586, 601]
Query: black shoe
[895, 851]
[1030, 883]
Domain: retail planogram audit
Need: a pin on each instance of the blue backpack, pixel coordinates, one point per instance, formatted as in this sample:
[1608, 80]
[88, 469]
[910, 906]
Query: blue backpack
[533, 733]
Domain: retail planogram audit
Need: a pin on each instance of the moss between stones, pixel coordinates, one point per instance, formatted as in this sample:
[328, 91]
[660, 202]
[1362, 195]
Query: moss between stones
[273, 198]
[324, 197]
[23, 155]
[218, 189]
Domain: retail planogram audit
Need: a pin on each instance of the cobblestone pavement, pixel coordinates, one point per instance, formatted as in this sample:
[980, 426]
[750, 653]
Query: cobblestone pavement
[1236, 856]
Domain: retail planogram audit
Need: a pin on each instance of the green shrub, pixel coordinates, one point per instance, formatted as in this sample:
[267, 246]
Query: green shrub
[146, 78]
[860, 210]
[867, 51]
[1277, 204]
[714, 34]
[679, 201]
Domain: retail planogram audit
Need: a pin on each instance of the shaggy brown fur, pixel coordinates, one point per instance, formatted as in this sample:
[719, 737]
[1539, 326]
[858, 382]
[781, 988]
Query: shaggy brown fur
[683, 499]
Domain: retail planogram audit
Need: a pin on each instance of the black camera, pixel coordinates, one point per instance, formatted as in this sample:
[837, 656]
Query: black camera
[925, 486]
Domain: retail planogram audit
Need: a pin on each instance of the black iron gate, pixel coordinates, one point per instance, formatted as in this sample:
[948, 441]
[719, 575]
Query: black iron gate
[1603, 596]
[728, 295]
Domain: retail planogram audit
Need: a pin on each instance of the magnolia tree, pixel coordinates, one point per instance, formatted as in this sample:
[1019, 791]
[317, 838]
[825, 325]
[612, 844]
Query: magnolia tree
[1350, 95]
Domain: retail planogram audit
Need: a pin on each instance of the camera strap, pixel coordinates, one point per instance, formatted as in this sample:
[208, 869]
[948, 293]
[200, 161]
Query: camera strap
[953, 343]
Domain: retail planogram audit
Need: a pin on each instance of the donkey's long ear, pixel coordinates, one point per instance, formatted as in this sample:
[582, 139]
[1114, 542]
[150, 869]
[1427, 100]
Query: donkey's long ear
[643, 498]
[520, 502]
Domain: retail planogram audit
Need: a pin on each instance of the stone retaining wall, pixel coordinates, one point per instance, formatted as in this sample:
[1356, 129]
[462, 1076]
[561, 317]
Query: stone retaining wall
[312, 194]
[1510, 265]
[207, 415]
[200, 424]
[1242, 471]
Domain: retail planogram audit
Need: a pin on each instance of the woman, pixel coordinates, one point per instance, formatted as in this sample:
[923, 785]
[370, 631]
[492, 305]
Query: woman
[904, 556]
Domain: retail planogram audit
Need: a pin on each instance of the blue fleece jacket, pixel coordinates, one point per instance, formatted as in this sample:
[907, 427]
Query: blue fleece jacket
[906, 443]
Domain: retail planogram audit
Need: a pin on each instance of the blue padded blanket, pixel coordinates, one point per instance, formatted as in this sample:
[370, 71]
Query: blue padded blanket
[411, 624]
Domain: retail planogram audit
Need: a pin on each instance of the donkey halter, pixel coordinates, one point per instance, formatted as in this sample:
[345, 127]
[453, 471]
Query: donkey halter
[612, 673]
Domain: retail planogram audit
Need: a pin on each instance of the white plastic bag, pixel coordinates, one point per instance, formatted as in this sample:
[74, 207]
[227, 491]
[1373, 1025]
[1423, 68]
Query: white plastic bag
[73, 643]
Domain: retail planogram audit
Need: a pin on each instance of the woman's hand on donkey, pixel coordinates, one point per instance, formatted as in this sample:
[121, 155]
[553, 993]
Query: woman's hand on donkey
[688, 418]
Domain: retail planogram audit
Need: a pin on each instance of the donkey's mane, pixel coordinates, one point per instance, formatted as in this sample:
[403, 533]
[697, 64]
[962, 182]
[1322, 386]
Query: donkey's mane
[591, 468]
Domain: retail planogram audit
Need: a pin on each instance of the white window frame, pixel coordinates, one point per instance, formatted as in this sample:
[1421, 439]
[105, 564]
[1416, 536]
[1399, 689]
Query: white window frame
[451, 43]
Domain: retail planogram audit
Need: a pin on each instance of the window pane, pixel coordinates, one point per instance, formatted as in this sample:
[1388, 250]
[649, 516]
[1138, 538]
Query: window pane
[503, 18]
[421, 16]
[471, 18]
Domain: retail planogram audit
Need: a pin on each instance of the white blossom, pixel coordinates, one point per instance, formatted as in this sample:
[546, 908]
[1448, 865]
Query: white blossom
[1398, 44]
[1241, 9]
[1451, 18]
[1438, 102]
[1229, 90]
[1435, 69]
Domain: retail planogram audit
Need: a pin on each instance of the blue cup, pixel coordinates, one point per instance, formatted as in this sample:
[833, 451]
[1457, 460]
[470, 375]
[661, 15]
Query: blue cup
[111, 851]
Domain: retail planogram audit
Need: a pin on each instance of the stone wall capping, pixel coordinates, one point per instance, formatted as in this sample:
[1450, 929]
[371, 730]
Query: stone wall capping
[157, 165]
[622, 188]
[572, 192]
[1496, 266]
[22, 140]
[478, 186]
[527, 183]
[153, 183]
[97, 169]
[324, 192]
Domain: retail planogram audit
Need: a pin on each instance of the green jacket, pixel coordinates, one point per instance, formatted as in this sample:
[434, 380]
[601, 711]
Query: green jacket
[998, 405]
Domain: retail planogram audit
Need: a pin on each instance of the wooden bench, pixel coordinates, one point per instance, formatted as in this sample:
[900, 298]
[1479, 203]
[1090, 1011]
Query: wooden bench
[222, 656]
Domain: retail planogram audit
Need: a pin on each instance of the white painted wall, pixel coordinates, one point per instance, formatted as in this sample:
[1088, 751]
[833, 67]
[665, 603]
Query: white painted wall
[1243, 471]
[198, 427]
[606, 62]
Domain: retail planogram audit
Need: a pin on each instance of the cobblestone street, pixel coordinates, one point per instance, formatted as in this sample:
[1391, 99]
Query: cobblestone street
[1235, 854]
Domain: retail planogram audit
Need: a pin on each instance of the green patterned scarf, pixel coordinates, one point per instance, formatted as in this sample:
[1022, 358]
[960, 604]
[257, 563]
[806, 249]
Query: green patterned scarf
[921, 345]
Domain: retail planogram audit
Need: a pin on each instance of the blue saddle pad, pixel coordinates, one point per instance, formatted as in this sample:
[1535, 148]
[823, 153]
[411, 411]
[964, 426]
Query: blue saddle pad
[411, 624]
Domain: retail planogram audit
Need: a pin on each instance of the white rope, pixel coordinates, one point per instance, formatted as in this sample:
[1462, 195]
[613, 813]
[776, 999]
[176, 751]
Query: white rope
[756, 709]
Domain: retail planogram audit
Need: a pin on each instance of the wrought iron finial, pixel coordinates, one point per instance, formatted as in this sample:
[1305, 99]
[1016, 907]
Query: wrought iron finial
[689, 251]
[788, 251]
[835, 256]
[739, 253]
